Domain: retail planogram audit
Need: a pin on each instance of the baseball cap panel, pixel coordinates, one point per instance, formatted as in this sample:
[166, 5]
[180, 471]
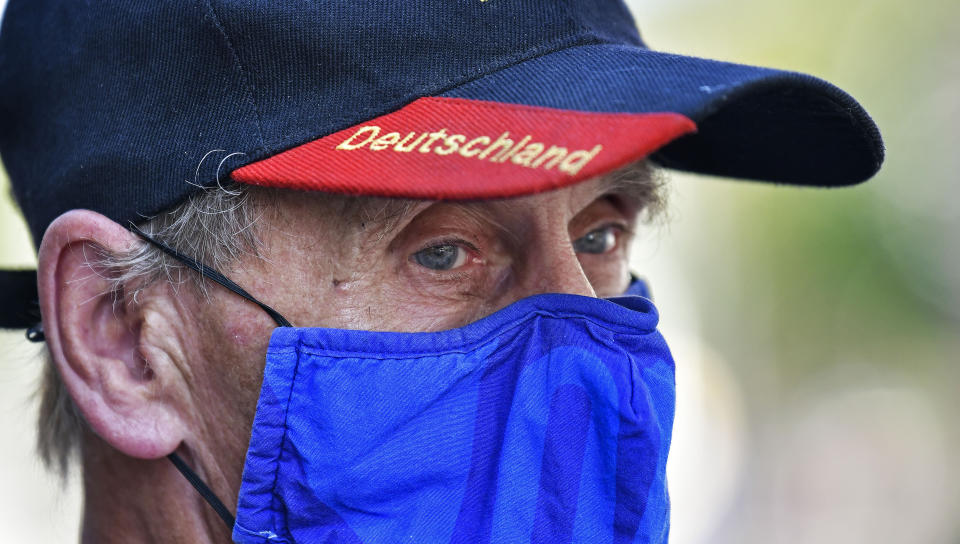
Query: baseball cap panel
[111, 106]
[454, 148]
[318, 67]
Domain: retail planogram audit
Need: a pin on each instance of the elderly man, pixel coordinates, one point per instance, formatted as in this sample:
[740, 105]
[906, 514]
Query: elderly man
[358, 270]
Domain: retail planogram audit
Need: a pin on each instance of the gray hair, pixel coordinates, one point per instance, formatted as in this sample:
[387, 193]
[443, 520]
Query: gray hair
[218, 226]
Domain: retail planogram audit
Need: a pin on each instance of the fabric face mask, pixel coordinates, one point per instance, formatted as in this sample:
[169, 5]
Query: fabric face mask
[547, 421]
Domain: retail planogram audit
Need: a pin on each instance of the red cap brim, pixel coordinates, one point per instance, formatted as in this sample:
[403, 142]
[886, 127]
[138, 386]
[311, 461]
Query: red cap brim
[454, 148]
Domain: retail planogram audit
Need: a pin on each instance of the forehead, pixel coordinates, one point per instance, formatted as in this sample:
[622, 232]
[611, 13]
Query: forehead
[636, 183]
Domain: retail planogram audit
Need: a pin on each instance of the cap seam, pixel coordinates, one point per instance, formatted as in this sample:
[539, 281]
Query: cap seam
[245, 80]
[542, 110]
[559, 45]
[568, 12]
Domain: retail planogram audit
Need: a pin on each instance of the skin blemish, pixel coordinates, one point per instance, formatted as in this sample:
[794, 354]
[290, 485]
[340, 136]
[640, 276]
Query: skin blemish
[240, 334]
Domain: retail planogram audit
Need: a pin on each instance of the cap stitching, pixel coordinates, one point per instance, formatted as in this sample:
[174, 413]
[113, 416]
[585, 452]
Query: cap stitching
[248, 86]
[576, 22]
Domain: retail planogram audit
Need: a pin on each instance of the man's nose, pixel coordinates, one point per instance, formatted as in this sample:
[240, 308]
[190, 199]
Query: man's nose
[555, 268]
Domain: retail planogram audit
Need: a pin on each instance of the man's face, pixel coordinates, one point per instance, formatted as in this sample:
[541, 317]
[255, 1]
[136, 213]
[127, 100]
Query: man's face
[391, 265]
[419, 266]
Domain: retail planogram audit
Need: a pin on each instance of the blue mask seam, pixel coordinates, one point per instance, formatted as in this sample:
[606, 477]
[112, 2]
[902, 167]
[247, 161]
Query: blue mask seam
[284, 450]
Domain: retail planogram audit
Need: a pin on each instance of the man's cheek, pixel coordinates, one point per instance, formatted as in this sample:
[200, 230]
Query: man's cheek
[433, 308]
[608, 274]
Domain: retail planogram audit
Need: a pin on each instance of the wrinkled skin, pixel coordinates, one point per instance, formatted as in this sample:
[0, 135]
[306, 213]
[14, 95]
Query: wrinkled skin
[179, 371]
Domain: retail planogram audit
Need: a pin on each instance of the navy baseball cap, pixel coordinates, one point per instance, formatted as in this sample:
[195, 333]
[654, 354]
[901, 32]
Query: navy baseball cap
[125, 107]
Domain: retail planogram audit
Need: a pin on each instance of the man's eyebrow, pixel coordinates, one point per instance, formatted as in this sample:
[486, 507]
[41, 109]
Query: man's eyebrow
[634, 180]
[639, 183]
[381, 215]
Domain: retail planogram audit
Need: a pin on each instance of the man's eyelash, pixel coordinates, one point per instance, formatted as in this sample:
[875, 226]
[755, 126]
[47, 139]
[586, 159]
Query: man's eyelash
[620, 227]
[448, 242]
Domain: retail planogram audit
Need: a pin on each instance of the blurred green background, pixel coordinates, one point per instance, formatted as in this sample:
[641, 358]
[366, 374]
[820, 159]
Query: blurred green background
[817, 332]
[835, 314]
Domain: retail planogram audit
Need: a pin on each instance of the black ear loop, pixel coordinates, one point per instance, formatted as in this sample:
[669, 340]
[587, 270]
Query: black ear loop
[212, 274]
[207, 272]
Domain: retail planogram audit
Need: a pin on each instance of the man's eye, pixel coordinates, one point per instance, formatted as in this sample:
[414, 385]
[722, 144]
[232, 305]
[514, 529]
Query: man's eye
[598, 241]
[441, 257]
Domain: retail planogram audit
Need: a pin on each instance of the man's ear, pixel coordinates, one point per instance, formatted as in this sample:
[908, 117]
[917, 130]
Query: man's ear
[95, 339]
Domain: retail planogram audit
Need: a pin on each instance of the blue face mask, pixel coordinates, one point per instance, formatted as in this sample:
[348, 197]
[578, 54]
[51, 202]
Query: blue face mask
[548, 421]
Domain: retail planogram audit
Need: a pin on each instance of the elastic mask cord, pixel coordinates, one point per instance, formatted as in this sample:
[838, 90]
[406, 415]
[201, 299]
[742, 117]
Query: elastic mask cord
[211, 274]
[205, 492]
[207, 272]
